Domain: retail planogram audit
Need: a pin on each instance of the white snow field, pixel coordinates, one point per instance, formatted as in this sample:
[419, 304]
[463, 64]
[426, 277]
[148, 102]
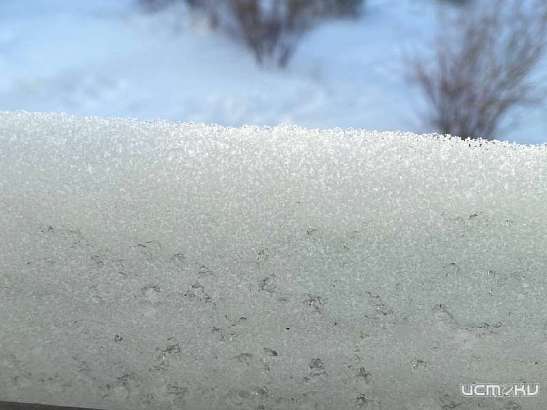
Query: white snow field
[157, 265]
[108, 58]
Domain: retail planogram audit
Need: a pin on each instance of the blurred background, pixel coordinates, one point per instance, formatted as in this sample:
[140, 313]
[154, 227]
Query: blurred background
[470, 68]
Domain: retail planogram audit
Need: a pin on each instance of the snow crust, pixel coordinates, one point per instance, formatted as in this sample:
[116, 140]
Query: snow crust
[156, 265]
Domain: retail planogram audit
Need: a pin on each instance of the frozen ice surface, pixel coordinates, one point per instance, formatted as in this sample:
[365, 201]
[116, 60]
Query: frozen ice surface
[155, 265]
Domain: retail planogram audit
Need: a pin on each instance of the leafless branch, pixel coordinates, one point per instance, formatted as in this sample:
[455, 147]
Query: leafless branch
[482, 65]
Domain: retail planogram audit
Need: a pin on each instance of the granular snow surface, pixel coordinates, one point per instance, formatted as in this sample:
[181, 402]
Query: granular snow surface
[157, 265]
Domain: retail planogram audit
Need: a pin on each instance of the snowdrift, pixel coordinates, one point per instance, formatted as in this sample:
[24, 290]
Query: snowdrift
[154, 265]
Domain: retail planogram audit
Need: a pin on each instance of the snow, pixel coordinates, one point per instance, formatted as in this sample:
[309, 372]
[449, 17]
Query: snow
[159, 265]
[107, 58]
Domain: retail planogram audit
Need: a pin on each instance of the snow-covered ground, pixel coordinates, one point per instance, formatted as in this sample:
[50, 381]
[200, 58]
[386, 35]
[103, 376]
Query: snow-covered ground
[167, 266]
[103, 57]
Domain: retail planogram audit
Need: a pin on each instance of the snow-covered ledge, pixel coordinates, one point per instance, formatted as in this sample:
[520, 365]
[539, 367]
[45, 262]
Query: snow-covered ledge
[154, 265]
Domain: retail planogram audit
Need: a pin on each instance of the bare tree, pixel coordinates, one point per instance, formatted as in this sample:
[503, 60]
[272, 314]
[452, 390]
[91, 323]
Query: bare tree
[271, 29]
[482, 66]
[270, 34]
